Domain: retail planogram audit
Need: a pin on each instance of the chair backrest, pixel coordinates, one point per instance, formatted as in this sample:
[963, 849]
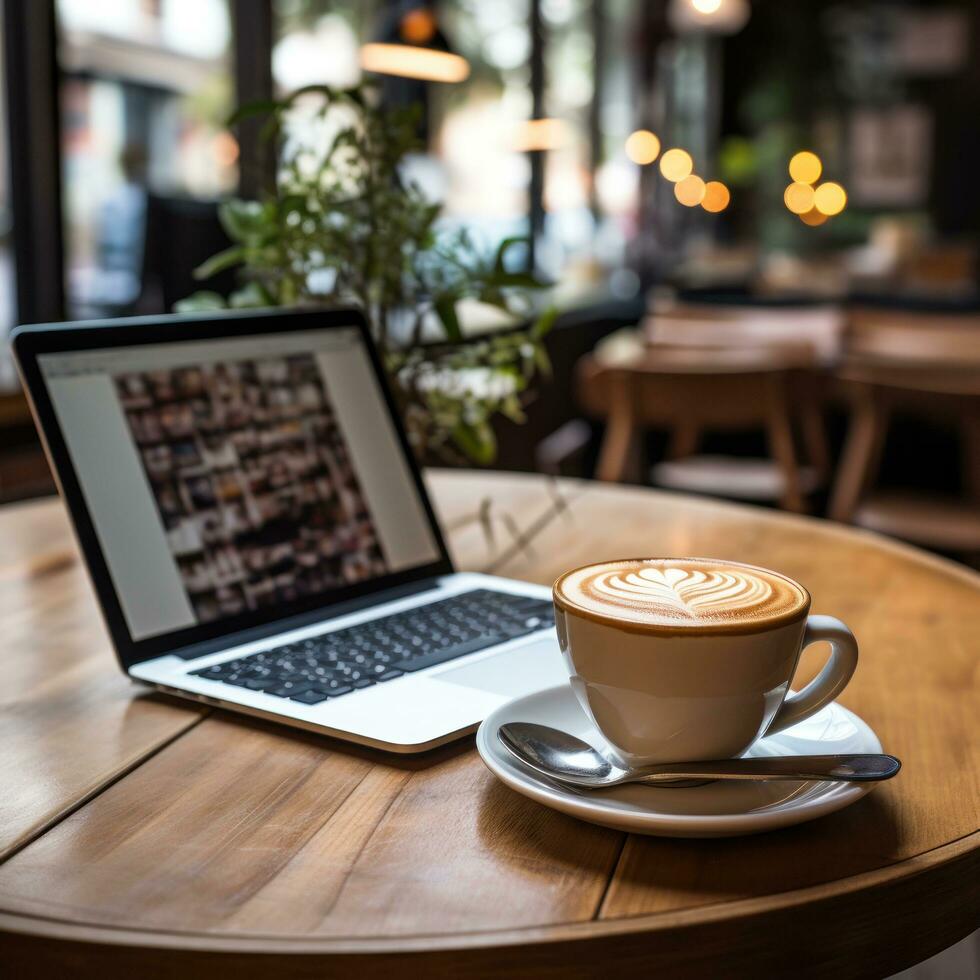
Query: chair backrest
[717, 389]
[819, 327]
[915, 339]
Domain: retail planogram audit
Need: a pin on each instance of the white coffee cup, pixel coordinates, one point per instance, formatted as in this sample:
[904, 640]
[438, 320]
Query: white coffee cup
[693, 675]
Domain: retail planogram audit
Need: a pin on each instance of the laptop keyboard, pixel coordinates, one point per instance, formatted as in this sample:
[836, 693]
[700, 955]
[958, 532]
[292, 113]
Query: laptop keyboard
[333, 664]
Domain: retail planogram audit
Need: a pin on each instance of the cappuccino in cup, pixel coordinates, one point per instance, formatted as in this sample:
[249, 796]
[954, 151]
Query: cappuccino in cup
[691, 658]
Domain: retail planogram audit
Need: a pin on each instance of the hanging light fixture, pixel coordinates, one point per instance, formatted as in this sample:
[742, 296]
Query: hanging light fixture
[708, 16]
[411, 45]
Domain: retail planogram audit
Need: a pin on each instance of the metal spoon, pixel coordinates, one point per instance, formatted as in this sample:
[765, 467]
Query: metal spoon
[570, 760]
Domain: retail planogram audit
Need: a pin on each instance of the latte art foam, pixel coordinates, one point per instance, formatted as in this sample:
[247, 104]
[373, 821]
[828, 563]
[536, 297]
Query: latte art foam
[690, 592]
[684, 592]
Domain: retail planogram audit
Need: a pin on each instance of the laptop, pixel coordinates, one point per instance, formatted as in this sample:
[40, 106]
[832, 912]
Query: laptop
[258, 533]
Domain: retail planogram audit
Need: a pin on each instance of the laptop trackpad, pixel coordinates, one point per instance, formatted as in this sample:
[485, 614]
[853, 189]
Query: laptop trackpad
[528, 668]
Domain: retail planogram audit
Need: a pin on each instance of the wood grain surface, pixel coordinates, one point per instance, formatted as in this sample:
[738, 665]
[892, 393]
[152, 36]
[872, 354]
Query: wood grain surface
[70, 721]
[140, 834]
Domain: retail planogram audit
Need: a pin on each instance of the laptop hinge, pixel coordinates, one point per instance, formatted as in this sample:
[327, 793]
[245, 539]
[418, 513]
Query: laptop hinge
[306, 619]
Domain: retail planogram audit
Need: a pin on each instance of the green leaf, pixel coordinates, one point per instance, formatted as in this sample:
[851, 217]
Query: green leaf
[251, 296]
[492, 296]
[511, 407]
[270, 127]
[248, 222]
[217, 263]
[505, 246]
[200, 302]
[542, 361]
[445, 308]
[517, 280]
[288, 293]
[542, 326]
[477, 441]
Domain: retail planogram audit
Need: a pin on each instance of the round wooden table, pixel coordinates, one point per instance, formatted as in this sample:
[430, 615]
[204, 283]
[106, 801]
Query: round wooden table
[141, 836]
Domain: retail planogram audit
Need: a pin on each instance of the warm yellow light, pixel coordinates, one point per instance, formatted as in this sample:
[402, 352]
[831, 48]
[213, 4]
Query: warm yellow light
[690, 191]
[418, 26]
[716, 196]
[642, 147]
[541, 134]
[830, 198]
[411, 62]
[798, 197]
[225, 149]
[676, 164]
[706, 6]
[813, 218]
[805, 167]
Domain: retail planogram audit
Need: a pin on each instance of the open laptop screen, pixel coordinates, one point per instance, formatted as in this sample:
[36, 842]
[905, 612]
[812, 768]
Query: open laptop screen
[237, 479]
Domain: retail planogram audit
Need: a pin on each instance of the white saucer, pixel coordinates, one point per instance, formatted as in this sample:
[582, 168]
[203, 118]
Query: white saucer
[718, 809]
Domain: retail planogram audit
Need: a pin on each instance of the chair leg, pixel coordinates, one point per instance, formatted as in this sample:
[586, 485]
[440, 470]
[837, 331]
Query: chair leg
[809, 405]
[618, 452]
[815, 440]
[780, 436]
[971, 481]
[860, 459]
[684, 440]
[971, 454]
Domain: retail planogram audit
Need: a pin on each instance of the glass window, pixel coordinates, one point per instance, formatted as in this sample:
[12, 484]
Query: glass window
[569, 228]
[8, 294]
[616, 178]
[474, 162]
[318, 42]
[147, 89]
[480, 124]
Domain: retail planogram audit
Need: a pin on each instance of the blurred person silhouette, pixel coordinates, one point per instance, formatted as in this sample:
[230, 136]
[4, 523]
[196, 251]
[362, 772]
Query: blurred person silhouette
[113, 286]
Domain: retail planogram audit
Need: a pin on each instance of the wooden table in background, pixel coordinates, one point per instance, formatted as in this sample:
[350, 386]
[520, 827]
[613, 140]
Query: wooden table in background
[141, 836]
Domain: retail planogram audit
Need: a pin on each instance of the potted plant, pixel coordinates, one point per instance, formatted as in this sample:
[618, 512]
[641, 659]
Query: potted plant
[343, 224]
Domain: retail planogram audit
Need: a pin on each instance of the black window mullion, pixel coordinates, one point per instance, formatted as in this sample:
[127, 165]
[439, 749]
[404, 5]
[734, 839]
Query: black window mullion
[34, 147]
[537, 157]
[252, 30]
[596, 150]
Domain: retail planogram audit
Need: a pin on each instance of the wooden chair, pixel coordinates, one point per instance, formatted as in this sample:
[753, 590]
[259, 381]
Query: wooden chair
[690, 391]
[811, 336]
[820, 327]
[917, 364]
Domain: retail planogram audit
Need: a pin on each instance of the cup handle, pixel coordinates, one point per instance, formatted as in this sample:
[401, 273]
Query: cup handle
[831, 680]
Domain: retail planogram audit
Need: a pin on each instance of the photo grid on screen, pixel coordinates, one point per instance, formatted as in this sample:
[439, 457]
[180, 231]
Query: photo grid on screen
[252, 480]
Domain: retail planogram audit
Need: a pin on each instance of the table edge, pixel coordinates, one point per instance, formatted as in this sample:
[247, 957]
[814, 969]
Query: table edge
[949, 866]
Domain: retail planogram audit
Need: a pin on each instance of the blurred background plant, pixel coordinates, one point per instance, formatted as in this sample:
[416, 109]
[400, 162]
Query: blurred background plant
[345, 223]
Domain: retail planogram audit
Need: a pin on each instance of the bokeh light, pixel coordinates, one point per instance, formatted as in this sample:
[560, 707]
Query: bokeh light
[813, 218]
[706, 6]
[716, 196]
[798, 197]
[541, 134]
[830, 198]
[425, 64]
[642, 147]
[225, 149]
[418, 26]
[805, 167]
[676, 164]
[690, 191]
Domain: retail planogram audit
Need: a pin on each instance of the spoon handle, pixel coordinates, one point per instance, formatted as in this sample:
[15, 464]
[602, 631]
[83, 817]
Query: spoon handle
[834, 768]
